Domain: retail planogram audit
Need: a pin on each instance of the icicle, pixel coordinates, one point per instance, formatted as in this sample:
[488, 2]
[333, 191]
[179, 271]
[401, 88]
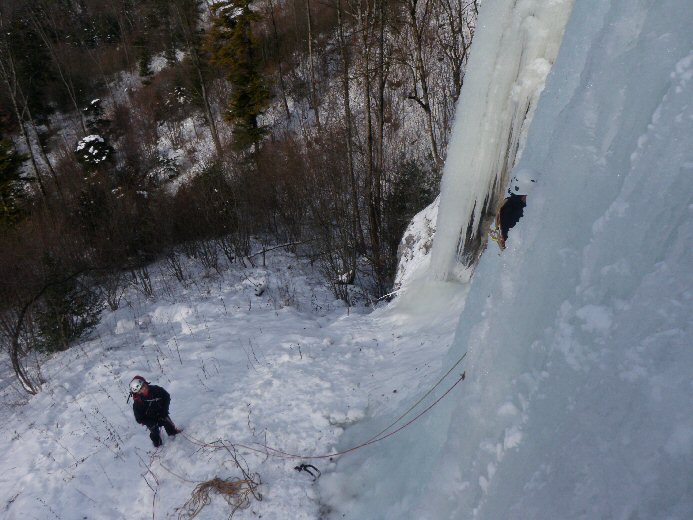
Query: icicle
[511, 58]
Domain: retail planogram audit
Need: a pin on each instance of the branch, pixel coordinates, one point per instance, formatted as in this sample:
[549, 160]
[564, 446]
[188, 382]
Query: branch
[289, 244]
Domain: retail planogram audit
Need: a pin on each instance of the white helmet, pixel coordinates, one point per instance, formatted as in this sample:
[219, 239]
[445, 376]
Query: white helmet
[522, 182]
[136, 384]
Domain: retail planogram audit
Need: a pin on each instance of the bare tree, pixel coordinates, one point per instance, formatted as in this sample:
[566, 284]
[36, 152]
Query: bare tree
[280, 66]
[348, 126]
[10, 78]
[417, 19]
[45, 26]
[311, 65]
[188, 17]
[455, 21]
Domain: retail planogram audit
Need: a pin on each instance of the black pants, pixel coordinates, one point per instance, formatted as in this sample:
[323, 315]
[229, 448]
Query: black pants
[154, 429]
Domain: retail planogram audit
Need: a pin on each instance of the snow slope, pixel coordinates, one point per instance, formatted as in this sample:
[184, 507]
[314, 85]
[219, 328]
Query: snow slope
[577, 402]
[258, 355]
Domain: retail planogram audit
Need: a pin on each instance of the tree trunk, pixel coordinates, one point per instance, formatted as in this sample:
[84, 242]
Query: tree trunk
[64, 77]
[282, 86]
[207, 106]
[382, 80]
[9, 78]
[44, 156]
[421, 72]
[367, 27]
[15, 352]
[311, 65]
[357, 228]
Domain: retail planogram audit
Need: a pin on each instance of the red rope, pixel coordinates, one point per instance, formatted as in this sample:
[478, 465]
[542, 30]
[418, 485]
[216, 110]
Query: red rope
[282, 454]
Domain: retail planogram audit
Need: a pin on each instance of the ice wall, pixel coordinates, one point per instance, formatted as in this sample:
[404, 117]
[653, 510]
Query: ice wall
[514, 47]
[577, 402]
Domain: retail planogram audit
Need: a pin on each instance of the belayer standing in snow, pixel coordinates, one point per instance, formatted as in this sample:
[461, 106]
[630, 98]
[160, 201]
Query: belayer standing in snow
[513, 207]
[150, 405]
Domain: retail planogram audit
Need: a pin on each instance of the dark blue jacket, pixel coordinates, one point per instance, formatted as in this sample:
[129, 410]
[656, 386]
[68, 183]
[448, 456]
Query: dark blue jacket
[511, 212]
[153, 407]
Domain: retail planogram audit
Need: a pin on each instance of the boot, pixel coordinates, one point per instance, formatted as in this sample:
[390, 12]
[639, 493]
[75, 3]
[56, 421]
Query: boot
[155, 436]
[170, 427]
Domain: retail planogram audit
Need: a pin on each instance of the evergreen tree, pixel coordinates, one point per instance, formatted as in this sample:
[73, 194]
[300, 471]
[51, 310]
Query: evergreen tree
[93, 151]
[69, 309]
[234, 47]
[414, 186]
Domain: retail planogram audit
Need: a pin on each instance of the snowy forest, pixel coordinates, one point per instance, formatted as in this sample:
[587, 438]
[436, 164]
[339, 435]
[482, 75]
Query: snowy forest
[134, 131]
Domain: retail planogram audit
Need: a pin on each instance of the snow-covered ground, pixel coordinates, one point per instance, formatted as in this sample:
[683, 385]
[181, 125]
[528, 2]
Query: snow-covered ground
[290, 367]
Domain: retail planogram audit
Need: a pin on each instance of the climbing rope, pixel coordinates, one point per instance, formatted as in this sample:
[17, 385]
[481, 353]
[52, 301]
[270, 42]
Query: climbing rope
[417, 403]
[236, 492]
[284, 454]
[380, 436]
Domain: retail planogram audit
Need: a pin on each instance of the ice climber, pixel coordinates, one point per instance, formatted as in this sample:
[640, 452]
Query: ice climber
[514, 205]
[150, 405]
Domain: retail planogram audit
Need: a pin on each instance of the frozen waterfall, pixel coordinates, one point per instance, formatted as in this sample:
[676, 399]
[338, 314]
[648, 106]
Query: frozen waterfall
[577, 403]
[514, 48]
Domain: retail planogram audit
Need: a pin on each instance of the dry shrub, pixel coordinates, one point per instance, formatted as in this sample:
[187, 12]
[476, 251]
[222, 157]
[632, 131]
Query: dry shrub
[236, 492]
[283, 172]
[311, 196]
[206, 207]
[136, 128]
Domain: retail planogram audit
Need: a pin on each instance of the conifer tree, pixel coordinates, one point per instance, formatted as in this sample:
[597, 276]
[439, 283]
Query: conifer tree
[234, 47]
